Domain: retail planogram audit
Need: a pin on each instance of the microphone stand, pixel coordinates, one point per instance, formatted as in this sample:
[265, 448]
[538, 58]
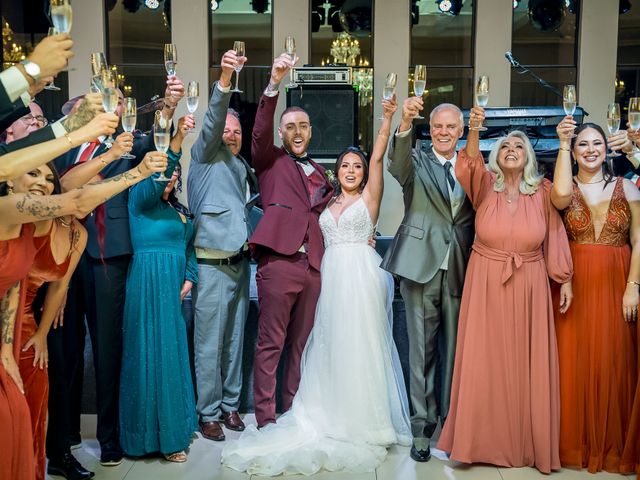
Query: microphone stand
[522, 70]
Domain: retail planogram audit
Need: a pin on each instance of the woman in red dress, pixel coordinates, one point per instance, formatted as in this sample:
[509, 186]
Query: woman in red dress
[596, 336]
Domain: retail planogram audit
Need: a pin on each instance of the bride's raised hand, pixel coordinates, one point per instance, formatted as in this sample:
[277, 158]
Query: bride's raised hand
[389, 107]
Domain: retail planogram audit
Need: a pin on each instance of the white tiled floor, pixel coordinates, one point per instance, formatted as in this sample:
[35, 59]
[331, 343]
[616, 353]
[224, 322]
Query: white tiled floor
[204, 464]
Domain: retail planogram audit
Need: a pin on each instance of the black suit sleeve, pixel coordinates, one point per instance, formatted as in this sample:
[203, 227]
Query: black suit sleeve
[6, 105]
[39, 136]
[19, 110]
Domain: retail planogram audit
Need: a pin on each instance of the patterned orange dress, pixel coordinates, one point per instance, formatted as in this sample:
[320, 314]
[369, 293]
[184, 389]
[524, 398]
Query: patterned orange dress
[36, 381]
[596, 345]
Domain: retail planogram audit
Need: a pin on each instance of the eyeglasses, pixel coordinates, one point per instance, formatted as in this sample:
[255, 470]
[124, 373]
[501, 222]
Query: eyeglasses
[29, 118]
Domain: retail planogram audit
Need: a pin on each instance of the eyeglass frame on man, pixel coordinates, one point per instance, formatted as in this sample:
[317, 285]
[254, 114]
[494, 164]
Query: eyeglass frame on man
[29, 117]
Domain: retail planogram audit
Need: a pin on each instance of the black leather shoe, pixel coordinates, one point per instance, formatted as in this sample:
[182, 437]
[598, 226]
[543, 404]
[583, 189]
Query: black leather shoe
[111, 455]
[420, 455]
[69, 468]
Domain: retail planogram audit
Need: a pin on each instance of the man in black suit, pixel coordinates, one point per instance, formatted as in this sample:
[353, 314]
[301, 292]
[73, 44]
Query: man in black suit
[97, 292]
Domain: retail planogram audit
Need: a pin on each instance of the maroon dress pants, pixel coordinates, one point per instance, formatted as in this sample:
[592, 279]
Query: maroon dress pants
[288, 290]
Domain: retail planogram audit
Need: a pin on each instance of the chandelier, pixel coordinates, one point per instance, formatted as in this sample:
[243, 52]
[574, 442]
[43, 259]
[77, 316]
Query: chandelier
[346, 49]
[12, 51]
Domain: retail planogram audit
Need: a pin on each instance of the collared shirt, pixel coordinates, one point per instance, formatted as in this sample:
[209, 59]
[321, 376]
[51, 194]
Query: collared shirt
[15, 85]
[84, 146]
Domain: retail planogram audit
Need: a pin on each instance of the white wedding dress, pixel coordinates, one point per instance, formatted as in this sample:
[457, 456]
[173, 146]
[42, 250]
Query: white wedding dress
[351, 403]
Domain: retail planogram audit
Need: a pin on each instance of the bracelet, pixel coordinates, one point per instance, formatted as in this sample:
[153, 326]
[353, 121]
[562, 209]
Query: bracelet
[103, 161]
[66, 135]
[564, 149]
[631, 282]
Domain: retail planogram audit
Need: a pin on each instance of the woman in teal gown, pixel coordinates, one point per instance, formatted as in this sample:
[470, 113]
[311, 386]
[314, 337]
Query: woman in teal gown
[157, 405]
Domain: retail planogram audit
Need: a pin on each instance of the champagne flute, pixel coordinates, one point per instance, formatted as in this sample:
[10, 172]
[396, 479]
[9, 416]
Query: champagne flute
[238, 47]
[110, 97]
[52, 86]
[419, 83]
[170, 58]
[161, 138]
[61, 15]
[193, 96]
[613, 124]
[569, 101]
[482, 97]
[389, 88]
[129, 116]
[290, 49]
[98, 64]
[634, 113]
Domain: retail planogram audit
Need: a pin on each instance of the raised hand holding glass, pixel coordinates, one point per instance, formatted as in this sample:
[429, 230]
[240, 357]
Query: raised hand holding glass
[482, 97]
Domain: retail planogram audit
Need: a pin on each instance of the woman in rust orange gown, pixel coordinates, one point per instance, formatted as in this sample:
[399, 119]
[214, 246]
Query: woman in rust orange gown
[59, 244]
[596, 336]
[505, 392]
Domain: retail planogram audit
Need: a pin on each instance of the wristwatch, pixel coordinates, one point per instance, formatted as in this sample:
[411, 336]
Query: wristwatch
[32, 69]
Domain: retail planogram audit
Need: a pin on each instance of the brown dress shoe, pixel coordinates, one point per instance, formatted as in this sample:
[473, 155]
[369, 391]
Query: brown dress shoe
[233, 421]
[212, 431]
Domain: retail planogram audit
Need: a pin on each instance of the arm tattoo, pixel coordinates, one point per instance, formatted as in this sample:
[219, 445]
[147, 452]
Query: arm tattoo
[37, 208]
[79, 119]
[126, 176]
[8, 310]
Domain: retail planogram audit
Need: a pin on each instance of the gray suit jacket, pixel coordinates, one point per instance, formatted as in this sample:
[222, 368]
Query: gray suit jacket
[217, 183]
[428, 227]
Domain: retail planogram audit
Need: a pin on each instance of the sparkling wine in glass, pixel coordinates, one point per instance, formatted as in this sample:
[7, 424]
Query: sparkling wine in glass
[634, 113]
[129, 117]
[238, 48]
[193, 96]
[419, 83]
[98, 64]
[569, 101]
[613, 124]
[290, 49]
[170, 58]
[161, 138]
[110, 96]
[52, 86]
[482, 97]
[389, 88]
[61, 15]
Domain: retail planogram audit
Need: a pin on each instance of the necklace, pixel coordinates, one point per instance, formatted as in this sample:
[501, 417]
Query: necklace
[589, 183]
[512, 198]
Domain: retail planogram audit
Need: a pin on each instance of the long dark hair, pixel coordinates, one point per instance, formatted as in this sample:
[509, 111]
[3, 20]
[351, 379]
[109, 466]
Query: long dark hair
[173, 198]
[57, 187]
[607, 166]
[365, 163]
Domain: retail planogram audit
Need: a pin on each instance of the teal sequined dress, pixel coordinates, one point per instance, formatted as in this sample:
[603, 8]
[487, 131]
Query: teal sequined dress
[157, 405]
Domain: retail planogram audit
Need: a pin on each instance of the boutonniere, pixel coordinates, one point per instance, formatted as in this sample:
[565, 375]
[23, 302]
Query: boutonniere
[330, 176]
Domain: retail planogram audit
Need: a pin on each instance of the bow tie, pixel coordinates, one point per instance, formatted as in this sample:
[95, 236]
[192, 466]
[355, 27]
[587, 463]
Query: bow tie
[304, 160]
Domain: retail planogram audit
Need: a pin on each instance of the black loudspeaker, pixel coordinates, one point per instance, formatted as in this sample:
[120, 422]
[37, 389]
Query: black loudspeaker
[333, 111]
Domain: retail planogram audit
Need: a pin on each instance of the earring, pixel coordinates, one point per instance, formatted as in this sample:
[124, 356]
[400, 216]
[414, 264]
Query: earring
[9, 189]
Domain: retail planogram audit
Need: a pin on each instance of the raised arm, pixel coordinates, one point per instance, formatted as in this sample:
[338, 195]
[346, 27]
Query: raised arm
[20, 208]
[471, 171]
[375, 185]
[147, 194]
[209, 140]
[8, 311]
[56, 293]
[19, 162]
[82, 173]
[562, 189]
[400, 162]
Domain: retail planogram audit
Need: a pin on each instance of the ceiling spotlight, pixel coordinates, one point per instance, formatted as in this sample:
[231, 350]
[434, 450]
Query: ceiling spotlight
[215, 5]
[625, 6]
[571, 6]
[260, 6]
[515, 4]
[546, 15]
[452, 7]
[152, 4]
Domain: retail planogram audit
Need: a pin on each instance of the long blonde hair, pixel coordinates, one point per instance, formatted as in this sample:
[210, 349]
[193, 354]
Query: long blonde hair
[531, 179]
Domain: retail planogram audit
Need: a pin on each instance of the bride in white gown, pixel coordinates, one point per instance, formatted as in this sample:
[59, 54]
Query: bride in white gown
[351, 404]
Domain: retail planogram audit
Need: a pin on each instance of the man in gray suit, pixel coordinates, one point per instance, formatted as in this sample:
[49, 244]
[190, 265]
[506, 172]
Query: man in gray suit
[430, 253]
[220, 183]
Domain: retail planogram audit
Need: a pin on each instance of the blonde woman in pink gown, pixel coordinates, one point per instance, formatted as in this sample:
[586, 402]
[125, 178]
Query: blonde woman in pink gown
[505, 394]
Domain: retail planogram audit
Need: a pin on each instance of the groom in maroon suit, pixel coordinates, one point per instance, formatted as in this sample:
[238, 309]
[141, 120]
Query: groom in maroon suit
[287, 243]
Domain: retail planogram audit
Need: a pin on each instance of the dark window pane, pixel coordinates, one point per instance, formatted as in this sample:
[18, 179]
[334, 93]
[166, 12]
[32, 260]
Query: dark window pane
[233, 21]
[137, 34]
[525, 91]
[439, 38]
[446, 85]
[629, 37]
[144, 83]
[548, 39]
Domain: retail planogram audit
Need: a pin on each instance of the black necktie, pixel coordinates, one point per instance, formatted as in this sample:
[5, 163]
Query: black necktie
[450, 179]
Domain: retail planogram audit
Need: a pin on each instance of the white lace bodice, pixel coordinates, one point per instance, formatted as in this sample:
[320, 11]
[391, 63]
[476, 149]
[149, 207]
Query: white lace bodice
[353, 226]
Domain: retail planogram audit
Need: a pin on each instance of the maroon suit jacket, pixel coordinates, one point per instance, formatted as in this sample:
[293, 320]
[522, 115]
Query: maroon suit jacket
[289, 214]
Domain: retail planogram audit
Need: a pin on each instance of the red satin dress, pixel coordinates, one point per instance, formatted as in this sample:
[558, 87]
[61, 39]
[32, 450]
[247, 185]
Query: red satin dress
[596, 346]
[36, 380]
[16, 442]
